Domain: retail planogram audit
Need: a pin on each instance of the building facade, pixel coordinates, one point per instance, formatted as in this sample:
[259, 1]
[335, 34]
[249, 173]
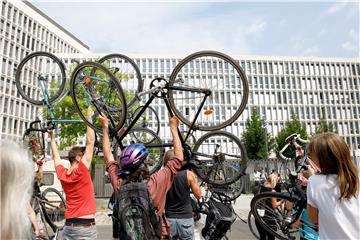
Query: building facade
[25, 29]
[311, 88]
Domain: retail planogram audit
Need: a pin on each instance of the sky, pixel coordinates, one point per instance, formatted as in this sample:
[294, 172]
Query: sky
[267, 28]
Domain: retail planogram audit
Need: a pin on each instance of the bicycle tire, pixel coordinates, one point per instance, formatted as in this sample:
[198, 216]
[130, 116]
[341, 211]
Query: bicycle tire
[53, 206]
[54, 68]
[231, 191]
[129, 72]
[102, 91]
[155, 147]
[214, 80]
[279, 222]
[252, 225]
[149, 119]
[230, 169]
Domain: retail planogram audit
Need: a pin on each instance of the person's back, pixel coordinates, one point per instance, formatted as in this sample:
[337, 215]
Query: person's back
[333, 196]
[178, 208]
[178, 202]
[78, 187]
[337, 219]
[134, 170]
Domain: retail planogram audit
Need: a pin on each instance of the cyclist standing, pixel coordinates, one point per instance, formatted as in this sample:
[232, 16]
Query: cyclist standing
[78, 187]
[134, 169]
[178, 208]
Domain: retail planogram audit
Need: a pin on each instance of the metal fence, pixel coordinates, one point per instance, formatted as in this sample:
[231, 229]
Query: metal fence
[103, 187]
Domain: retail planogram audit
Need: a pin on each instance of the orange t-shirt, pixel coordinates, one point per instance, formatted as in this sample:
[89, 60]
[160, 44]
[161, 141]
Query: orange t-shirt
[79, 190]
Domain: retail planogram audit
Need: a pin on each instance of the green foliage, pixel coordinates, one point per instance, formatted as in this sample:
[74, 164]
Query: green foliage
[69, 131]
[254, 137]
[291, 126]
[323, 125]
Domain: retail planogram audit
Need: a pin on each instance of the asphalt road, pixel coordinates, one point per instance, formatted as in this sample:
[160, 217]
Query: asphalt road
[239, 230]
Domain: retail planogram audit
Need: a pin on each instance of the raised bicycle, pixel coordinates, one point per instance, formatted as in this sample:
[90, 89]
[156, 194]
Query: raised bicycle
[41, 79]
[226, 159]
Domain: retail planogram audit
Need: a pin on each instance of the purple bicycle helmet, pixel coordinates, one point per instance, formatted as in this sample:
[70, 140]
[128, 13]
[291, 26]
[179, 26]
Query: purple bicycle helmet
[133, 156]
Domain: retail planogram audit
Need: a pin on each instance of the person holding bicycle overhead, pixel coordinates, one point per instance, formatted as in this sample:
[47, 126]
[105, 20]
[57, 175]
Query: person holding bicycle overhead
[78, 187]
[178, 207]
[333, 195]
[134, 170]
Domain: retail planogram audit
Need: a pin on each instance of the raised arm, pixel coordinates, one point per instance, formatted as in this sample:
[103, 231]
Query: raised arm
[106, 140]
[178, 151]
[193, 184]
[90, 141]
[54, 149]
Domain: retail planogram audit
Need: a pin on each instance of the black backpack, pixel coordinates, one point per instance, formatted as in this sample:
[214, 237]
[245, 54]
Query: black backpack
[136, 213]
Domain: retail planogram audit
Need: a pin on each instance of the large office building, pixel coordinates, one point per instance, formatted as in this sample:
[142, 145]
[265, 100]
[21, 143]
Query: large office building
[25, 29]
[306, 86]
[311, 88]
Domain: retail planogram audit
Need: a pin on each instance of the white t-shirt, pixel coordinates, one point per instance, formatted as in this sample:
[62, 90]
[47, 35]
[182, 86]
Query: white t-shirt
[337, 220]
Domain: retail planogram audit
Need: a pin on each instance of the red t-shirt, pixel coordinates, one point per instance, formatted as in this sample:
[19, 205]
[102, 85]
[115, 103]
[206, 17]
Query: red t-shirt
[79, 190]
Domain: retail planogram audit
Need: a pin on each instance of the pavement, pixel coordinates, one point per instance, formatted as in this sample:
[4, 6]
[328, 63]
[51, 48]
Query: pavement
[239, 229]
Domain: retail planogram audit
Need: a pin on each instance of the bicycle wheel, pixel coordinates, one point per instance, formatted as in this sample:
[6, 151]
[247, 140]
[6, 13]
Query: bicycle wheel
[40, 78]
[93, 85]
[252, 225]
[213, 71]
[155, 147]
[221, 158]
[53, 205]
[231, 191]
[283, 221]
[128, 74]
[148, 119]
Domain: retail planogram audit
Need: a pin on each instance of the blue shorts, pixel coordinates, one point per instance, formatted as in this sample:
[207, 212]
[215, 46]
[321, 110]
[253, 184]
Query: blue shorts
[182, 228]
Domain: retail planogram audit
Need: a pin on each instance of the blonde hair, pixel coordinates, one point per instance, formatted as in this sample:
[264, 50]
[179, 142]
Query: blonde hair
[16, 187]
[271, 181]
[169, 154]
[333, 155]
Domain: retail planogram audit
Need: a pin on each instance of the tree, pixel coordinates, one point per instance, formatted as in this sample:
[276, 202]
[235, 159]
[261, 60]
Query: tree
[254, 137]
[323, 125]
[291, 126]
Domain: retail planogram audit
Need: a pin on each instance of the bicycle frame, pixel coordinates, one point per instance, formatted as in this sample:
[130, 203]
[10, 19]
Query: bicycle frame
[50, 108]
[154, 93]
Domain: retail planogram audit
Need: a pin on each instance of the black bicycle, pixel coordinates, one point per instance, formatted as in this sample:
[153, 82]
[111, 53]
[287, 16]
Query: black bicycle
[49, 207]
[194, 95]
[287, 221]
